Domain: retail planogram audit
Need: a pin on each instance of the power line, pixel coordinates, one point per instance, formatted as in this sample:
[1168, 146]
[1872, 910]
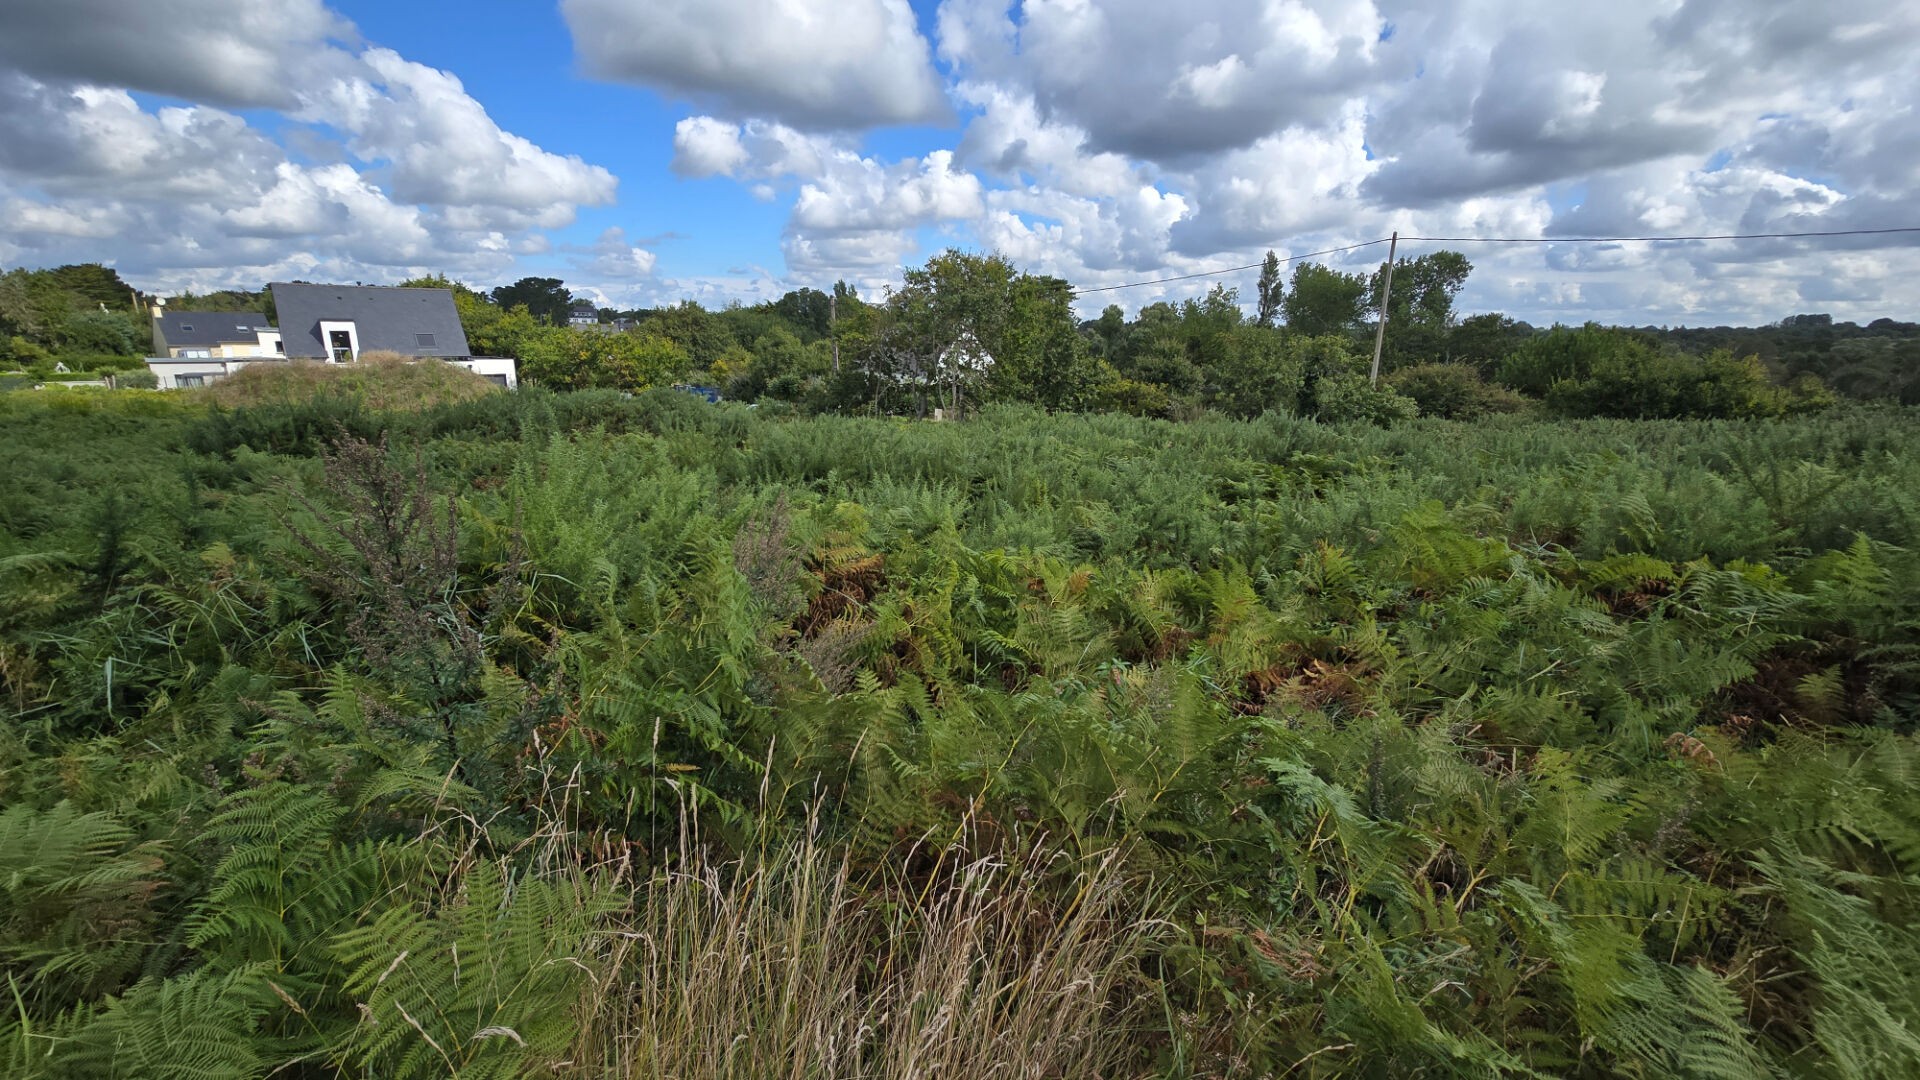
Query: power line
[1509, 240]
[1234, 269]
[1631, 239]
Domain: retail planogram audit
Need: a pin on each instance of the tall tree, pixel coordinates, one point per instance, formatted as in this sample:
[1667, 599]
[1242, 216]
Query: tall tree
[1421, 320]
[809, 311]
[93, 285]
[1323, 300]
[1423, 289]
[546, 298]
[1271, 289]
[699, 332]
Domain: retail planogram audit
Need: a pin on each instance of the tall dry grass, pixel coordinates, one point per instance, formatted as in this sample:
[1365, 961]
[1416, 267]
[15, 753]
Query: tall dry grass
[799, 967]
[382, 381]
[793, 962]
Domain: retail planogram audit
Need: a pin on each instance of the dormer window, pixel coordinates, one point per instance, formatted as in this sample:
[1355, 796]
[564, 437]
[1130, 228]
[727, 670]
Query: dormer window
[341, 339]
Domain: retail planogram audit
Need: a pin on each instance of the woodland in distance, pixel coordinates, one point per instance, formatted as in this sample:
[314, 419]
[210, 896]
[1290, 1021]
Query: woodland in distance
[1188, 707]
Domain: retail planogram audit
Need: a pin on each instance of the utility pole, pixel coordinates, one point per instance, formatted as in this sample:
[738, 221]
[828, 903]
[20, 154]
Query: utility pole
[833, 326]
[1386, 291]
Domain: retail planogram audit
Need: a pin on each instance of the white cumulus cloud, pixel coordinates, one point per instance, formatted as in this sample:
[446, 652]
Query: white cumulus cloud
[809, 63]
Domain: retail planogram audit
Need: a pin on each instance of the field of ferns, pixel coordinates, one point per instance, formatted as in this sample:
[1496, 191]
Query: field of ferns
[585, 735]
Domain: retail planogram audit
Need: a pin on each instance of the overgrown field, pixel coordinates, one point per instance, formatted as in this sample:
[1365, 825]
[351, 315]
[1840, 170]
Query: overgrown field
[579, 735]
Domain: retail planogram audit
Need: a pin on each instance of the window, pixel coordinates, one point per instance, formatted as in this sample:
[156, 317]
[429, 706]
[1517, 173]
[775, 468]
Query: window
[425, 341]
[340, 342]
[189, 380]
[186, 326]
[497, 380]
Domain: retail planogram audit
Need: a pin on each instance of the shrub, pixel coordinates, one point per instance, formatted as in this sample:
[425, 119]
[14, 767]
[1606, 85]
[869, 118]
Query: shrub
[1602, 371]
[568, 358]
[379, 381]
[1351, 396]
[114, 333]
[1453, 391]
[1123, 395]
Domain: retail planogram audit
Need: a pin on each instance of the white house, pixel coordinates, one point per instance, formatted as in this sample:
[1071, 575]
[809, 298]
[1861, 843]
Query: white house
[332, 324]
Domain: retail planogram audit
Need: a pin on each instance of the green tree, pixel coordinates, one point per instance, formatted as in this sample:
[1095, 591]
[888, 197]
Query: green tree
[497, 333]
[1270, 291]
[1484, 341]
[1423, 289]
[546, 298]
[34, 306]
[697, 331]
[808, 311]
[572, 358]
[1421, 319]
[112, 333]
[1256, 372]
[1108, 333]
[1604, 371]
[1322, 300]
[1040, 356]
[92, 285]
[225, 300]
[944, 313]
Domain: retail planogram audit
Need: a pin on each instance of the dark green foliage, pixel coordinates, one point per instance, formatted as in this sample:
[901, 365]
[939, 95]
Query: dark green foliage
[546, 298]
[346, 743]
[1322, 300]
[1453, 392]
[1597, 371]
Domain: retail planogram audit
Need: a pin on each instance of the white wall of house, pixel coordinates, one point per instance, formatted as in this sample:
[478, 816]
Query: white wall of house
[266, 343]
[177, 373]
[499, 369]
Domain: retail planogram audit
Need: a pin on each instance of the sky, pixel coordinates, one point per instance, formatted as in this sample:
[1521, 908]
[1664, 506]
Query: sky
[723, 150]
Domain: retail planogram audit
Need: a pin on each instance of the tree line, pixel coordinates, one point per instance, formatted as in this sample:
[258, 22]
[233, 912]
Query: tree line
[969, 329]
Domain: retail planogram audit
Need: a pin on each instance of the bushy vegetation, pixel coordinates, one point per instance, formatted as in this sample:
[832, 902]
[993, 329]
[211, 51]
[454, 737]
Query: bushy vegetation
[966, 331]
[81, 318]
[381, 382]
[599, 735]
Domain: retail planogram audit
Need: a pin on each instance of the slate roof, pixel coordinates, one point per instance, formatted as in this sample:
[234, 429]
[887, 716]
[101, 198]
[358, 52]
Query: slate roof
[205, 329]
[412, 322]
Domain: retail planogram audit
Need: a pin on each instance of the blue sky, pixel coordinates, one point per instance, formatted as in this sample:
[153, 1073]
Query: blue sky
[732, 149]
[519, 61]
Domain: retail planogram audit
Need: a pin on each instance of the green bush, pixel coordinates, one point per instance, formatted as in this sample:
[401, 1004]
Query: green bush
[112, 333]
[571, 358]
[1599, 371]
[1453, 392]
